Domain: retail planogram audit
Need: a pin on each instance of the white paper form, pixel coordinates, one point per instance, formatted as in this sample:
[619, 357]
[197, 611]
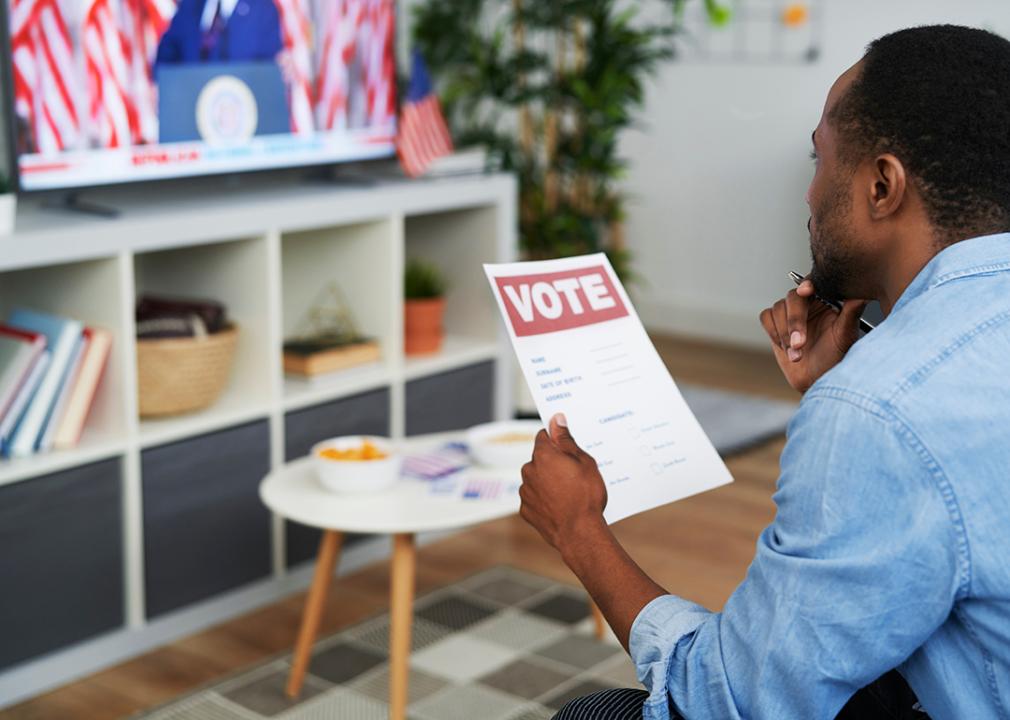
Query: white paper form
[584, 352]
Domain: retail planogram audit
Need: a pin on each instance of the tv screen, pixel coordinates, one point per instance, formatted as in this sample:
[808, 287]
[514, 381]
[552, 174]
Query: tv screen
[113, 91]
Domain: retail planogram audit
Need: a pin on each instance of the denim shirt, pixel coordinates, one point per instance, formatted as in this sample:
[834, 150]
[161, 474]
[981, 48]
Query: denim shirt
[891, 543]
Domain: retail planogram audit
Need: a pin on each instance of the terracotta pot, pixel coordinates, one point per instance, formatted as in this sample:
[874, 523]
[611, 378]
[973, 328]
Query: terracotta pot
[422, 324]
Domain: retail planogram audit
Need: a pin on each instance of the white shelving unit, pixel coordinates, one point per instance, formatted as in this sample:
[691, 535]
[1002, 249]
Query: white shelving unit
[267, 251]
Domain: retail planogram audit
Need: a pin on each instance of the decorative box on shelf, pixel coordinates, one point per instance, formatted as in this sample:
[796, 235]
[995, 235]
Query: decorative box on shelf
[318, 356]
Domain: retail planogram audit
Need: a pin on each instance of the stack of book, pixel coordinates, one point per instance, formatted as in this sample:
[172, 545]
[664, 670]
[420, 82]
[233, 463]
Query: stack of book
[50, 368]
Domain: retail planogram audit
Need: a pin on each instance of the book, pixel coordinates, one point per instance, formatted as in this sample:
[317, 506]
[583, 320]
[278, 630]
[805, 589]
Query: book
[62, 338]
[96, 356]
[18, 352]
[63, 396]
[20, 404]
[309, 359]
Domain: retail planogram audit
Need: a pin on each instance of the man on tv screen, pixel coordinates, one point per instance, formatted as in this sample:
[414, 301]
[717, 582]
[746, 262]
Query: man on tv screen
[221, 31]
[109, 91]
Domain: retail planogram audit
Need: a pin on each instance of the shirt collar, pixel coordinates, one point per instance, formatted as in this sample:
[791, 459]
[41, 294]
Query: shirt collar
[210, 8]
[967, 257]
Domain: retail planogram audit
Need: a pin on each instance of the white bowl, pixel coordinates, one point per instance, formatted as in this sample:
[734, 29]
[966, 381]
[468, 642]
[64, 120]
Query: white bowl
[355, 477]
[489, 446]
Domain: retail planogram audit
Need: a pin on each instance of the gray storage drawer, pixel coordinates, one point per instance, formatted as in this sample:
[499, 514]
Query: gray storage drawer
[205, 529]
[452, 400]
[61, 560]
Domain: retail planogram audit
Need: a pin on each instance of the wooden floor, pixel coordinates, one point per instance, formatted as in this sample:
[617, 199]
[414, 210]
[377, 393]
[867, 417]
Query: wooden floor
[698, 548]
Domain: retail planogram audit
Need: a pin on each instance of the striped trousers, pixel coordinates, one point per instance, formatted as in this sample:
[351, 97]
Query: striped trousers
[616, 704]
[887, 698]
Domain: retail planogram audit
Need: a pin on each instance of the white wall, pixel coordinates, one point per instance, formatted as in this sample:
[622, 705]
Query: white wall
[717, 179]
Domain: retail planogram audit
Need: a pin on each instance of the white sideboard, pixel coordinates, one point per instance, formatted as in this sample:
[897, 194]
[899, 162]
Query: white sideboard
[266, 249]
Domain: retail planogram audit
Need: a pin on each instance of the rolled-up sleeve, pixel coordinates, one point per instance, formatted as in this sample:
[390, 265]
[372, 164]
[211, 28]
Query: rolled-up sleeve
[654, 635]
[862, 563]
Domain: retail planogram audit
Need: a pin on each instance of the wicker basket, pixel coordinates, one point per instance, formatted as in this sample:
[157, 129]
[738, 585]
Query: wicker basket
[179, 375]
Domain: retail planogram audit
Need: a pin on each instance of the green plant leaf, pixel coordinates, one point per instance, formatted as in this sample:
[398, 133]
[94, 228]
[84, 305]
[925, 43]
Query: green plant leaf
[422, 280]
[568, 194]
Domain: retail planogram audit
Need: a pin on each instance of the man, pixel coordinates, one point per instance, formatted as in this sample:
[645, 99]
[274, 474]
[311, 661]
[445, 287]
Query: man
[890, 549]
[221, 31]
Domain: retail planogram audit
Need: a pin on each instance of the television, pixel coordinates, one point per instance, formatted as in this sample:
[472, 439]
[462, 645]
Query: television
[116, 91]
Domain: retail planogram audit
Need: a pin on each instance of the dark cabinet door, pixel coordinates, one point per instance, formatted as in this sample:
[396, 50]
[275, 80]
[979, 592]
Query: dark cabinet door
[61, 560]
[452, 400]
[205, 529]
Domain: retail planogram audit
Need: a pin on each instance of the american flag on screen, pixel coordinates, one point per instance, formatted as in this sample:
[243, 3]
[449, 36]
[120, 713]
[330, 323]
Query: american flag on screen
[341, 21]
[296, 34]
[42, 53]
[378, 63]
[423, 135]
[120, 41]
[115, 106]
[114, 114]
[358, 37]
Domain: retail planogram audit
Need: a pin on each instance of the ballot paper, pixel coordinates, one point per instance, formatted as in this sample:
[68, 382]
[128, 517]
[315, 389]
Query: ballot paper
[584, 353]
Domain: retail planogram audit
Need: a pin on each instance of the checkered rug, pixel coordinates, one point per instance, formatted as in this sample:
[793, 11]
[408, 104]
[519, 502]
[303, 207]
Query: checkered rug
[500, 645]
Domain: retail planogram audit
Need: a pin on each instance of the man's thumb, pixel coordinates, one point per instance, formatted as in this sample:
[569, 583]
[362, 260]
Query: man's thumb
[561, 435]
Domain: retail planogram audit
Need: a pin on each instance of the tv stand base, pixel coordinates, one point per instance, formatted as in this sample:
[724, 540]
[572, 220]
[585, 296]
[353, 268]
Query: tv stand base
[73, 202]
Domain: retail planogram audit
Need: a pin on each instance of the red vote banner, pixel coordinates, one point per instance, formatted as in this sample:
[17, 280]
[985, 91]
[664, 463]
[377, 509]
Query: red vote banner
[549, 302]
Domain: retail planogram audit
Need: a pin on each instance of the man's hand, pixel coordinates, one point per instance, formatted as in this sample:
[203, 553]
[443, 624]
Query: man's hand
[563, 493]
[808, 337]
[563, 497]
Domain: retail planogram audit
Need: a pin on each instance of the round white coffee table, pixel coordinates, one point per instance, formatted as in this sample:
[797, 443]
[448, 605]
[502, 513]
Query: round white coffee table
[408, 507]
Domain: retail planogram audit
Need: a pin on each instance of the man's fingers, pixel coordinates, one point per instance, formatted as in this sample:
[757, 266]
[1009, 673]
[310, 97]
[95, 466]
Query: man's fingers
[769, 325]
[797, 308]
[781, 320]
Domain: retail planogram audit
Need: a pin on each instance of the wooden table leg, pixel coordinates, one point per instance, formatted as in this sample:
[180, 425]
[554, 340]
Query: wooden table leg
[329, 549]
[401, 615]
[599, 622]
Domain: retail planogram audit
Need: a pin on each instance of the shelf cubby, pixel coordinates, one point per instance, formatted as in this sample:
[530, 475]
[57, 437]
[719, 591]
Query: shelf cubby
[90, 291]
[459, 242]
[236, 274]
[344, 259]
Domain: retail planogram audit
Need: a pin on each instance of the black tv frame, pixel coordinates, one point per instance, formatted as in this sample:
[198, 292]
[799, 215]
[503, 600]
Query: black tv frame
[7, 89]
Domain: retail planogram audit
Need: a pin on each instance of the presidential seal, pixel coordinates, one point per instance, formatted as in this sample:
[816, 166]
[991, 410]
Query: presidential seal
[226, 111]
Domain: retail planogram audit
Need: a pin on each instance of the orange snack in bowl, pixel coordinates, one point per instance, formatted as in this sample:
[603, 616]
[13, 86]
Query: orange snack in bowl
[365, 451]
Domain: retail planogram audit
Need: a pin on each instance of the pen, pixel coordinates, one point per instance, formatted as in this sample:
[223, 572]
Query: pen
[833, 304]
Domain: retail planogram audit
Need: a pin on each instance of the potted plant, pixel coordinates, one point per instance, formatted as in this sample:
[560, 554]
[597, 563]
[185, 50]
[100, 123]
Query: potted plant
[8, 206]
[547, 88]
[423, 308]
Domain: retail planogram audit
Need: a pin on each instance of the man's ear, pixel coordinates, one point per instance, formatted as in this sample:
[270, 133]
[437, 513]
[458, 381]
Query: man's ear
[888, 185]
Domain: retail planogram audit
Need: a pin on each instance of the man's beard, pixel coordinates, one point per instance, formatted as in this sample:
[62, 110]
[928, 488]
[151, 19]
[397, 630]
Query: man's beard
[836, 268]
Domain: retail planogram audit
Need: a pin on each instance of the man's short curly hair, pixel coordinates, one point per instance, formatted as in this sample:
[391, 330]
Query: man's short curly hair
[938, 98]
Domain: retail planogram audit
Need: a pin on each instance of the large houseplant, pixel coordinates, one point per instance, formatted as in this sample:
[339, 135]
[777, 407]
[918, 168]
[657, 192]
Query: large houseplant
[547, 88]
